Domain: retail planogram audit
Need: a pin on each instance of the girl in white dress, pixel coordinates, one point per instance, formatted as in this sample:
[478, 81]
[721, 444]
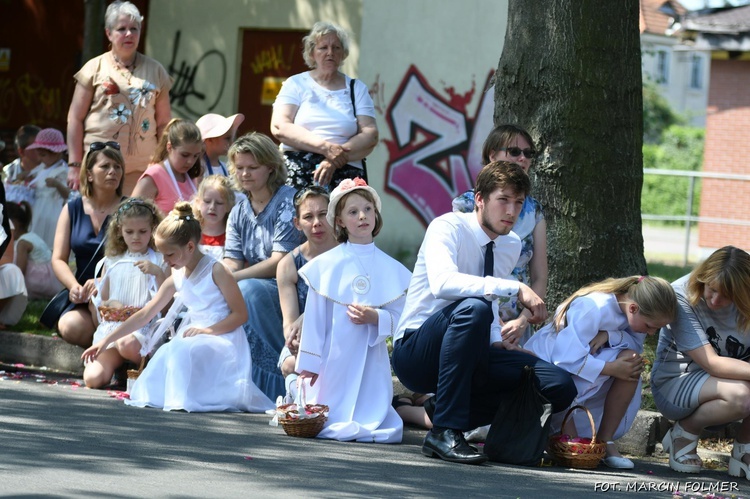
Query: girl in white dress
[211, 206]
[207, 365]
[597, 335]
[32, 255]
[354, 302]
[131, 274]
[50, 183]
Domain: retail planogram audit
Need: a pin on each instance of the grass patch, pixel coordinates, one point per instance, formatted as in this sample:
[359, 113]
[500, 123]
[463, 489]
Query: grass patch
[29, 322]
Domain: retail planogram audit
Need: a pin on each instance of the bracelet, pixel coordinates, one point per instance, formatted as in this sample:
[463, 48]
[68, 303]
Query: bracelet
[75, 164]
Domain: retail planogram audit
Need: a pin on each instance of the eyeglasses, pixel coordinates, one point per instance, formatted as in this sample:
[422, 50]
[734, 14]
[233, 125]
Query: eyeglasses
[98, 146]
[310, 189]
[515, 152]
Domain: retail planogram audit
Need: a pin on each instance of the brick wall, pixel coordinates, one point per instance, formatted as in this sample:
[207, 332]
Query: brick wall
[727, 150]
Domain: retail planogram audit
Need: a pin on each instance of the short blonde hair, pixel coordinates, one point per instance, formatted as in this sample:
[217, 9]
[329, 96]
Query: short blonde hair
[265, 152]
[319, 30]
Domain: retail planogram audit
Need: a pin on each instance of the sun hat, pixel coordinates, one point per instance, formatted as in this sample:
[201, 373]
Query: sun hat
[50, 139]
[345, 187]
[215, 125]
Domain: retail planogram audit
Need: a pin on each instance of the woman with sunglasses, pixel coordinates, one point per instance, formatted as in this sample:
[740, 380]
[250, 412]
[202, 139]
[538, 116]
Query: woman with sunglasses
[120, 95]
[514, 144]
[81, 228]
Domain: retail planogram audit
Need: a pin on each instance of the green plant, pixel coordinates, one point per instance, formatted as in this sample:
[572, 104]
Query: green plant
[681, 148]
[29, 322]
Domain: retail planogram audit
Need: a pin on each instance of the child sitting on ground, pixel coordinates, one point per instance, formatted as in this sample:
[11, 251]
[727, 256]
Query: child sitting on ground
[132, 273]
[218, 134]
[207, 365]
[50, 183]
[211, 206]
[32, 255]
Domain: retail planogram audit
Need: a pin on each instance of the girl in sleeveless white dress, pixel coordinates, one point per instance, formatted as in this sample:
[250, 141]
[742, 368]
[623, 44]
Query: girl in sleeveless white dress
[207, 365]
[131, 274]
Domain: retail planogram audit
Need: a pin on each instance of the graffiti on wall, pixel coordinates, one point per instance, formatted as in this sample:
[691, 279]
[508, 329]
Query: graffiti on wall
[188, 98]
[435, 148]
[41, 103]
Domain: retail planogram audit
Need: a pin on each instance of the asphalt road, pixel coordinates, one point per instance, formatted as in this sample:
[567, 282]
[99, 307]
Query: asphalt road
[66, 441]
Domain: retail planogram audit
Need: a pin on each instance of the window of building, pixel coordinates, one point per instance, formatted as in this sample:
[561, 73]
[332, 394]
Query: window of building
[662, 67]
[696, 72]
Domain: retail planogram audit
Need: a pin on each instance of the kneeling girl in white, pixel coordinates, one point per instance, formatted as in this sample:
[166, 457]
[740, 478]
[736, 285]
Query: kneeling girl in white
[354, 302]
[131, 274]
[207, 365]
[597, 335]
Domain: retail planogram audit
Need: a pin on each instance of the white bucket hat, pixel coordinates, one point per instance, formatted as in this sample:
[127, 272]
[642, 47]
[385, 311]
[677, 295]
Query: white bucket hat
[345, 187]
[215, 125]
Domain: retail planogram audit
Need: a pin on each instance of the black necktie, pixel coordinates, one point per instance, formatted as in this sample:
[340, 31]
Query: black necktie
[489, 258]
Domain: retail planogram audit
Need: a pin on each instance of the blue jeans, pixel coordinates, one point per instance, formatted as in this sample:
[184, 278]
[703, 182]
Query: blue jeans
[265, 333]
[450, 355]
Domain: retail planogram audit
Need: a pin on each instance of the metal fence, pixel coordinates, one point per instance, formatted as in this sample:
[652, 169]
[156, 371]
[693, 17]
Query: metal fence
[688, 218]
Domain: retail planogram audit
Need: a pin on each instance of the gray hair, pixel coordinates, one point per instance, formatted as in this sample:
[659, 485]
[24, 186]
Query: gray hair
[320, 29]
[117, 9]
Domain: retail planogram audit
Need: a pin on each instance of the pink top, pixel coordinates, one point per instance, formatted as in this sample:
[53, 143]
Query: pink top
[167, 196]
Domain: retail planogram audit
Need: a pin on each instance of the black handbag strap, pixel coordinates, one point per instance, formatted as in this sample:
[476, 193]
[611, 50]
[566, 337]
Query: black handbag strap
[352, 81]
[351, 93]
[93, 257]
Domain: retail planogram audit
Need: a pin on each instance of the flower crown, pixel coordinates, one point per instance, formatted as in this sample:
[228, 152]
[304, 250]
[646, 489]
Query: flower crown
[348, 184]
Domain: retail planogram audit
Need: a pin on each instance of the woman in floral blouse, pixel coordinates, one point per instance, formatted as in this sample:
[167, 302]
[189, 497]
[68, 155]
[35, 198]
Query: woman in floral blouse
[120, 96]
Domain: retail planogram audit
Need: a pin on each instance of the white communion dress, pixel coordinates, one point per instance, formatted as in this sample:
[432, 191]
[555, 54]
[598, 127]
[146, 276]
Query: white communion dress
[203, 373]
[354, 372]
[569, 349]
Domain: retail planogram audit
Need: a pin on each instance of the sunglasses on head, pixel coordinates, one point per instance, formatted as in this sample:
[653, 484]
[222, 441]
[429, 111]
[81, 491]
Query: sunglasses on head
[98, 146]
[515, 152]
[315, 189]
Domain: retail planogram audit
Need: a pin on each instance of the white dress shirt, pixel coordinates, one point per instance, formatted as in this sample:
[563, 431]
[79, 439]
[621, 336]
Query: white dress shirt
[450, 265]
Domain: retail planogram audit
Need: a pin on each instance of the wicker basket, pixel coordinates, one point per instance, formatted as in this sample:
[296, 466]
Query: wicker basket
[117, 314]
[585, 453]
[134, 373]
[305, 427]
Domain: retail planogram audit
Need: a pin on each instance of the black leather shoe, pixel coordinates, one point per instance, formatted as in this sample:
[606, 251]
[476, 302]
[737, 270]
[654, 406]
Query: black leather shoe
[449, 445]
[429, 407]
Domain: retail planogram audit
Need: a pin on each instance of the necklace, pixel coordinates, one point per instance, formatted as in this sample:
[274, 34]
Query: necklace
[360, 283]
[130, 68]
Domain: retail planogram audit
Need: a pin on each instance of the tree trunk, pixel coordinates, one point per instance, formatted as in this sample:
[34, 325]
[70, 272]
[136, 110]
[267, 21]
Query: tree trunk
[93, 29]
[570, 73]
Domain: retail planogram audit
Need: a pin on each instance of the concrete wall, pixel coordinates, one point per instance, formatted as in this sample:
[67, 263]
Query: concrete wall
[427, 63]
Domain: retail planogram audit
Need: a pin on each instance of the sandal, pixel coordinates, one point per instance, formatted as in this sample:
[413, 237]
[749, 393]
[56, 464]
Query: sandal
[736, 465]
[677, 459]
[400, 401]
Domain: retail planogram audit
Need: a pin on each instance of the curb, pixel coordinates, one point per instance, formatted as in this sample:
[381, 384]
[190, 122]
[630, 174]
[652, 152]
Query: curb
[38, 351]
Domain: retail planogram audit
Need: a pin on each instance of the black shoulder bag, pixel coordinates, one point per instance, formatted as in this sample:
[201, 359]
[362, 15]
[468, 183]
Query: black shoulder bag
[61, 301]
[520, 430]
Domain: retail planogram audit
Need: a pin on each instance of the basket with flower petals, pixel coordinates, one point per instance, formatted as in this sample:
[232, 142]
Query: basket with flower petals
[306, 423]
[577, 452]
[117, 314]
